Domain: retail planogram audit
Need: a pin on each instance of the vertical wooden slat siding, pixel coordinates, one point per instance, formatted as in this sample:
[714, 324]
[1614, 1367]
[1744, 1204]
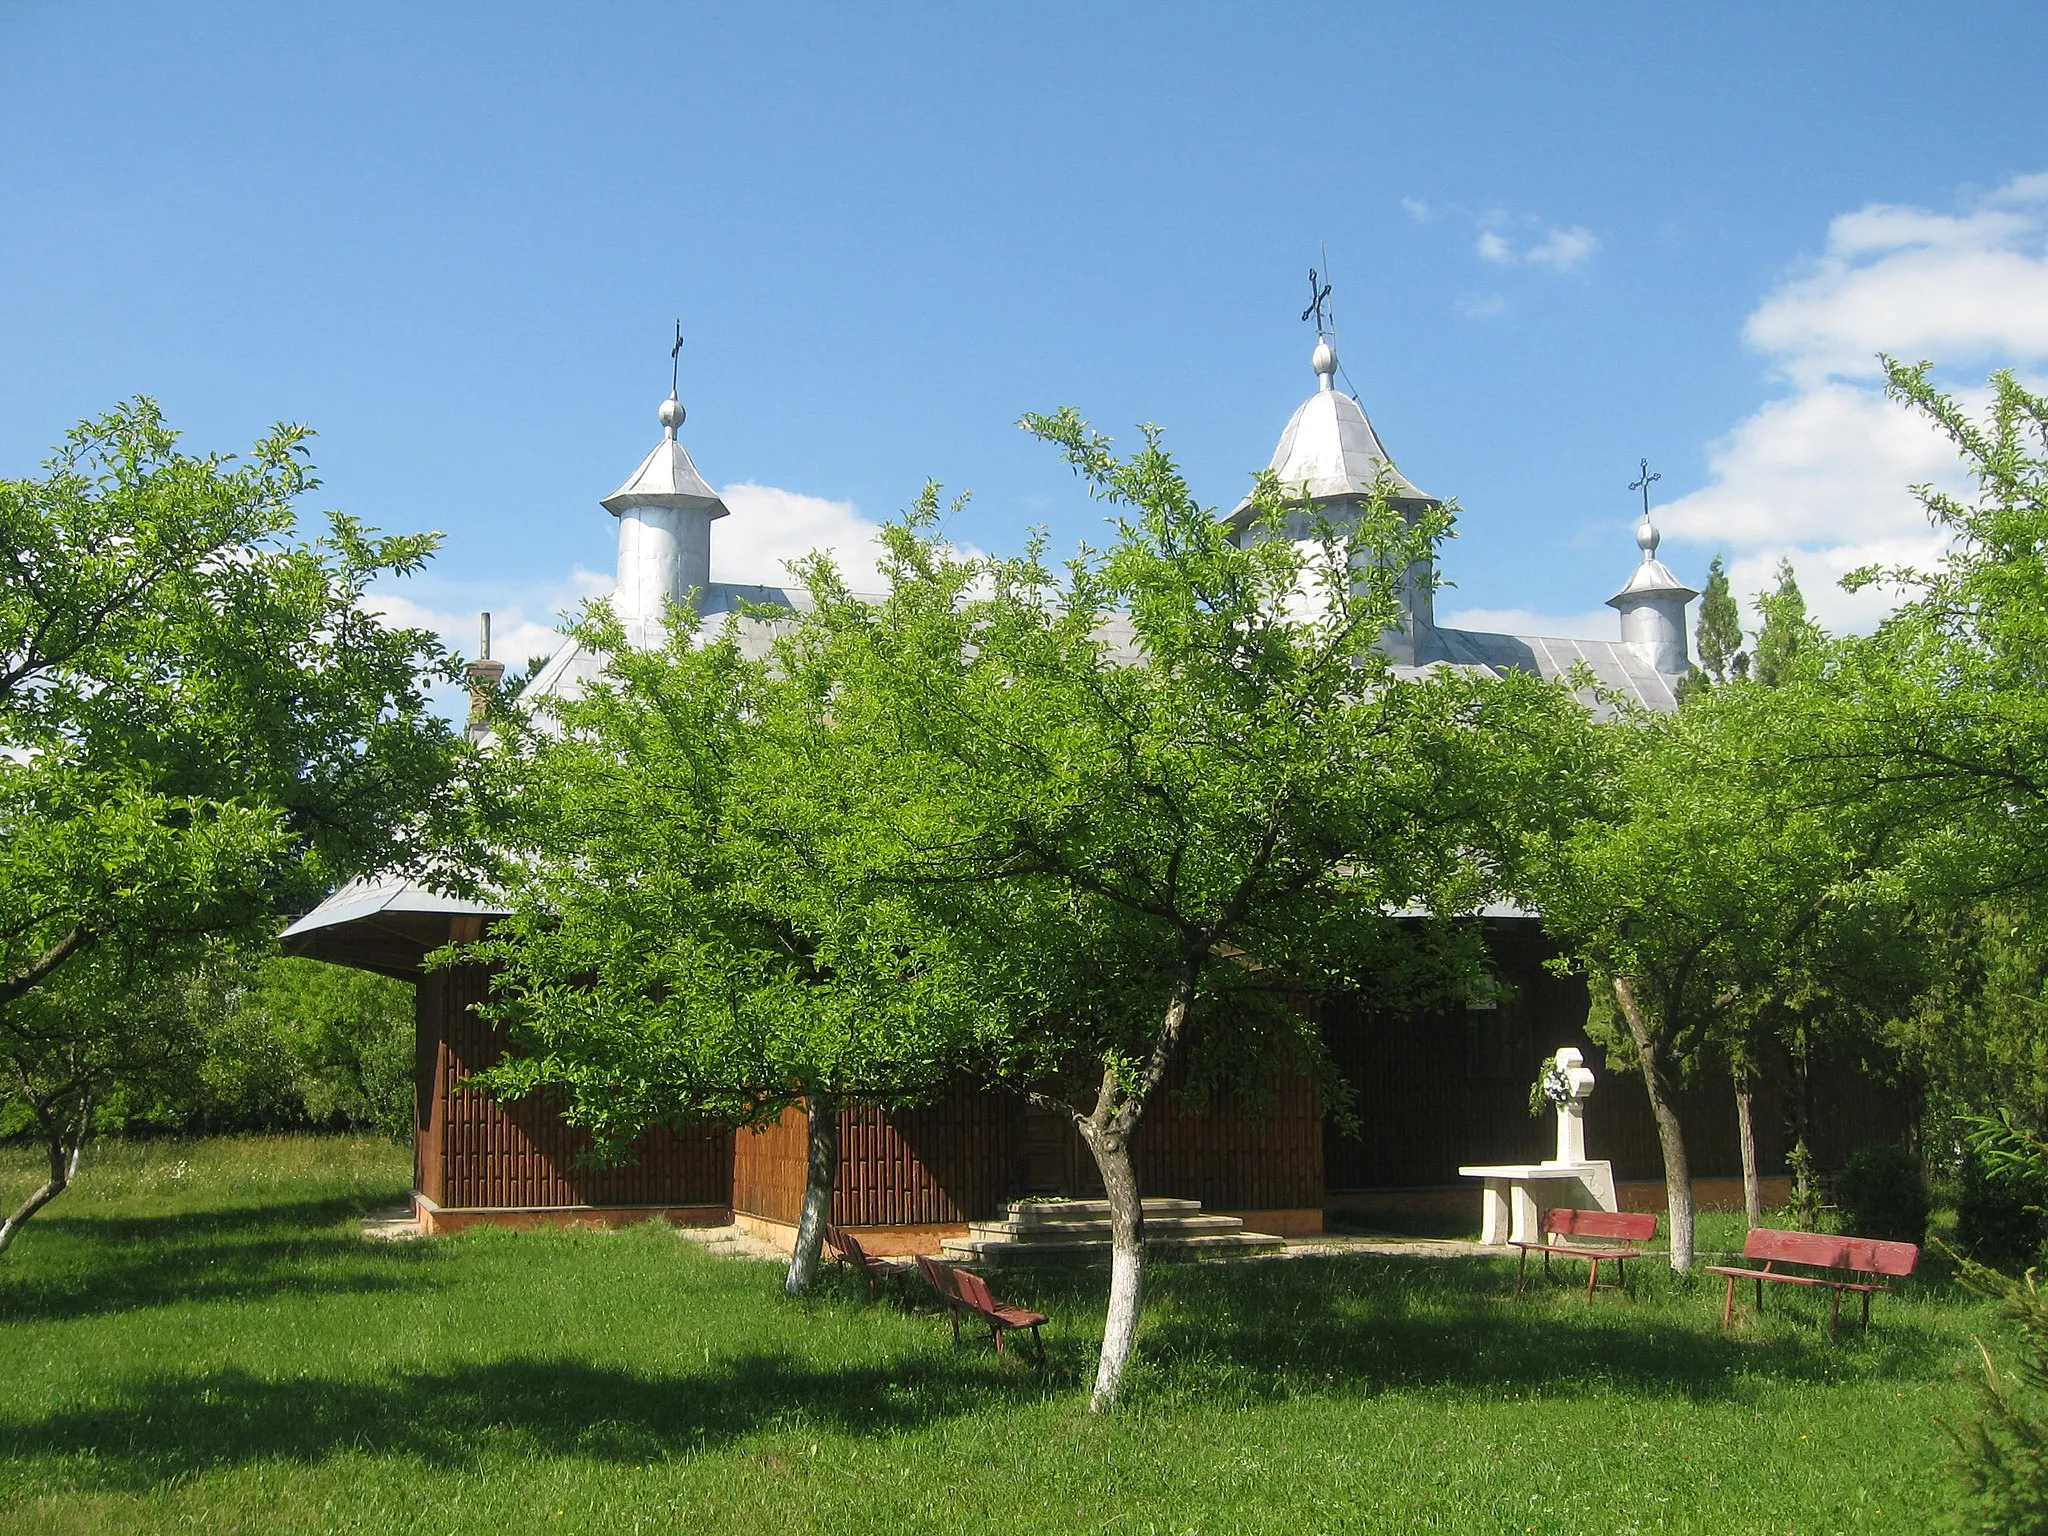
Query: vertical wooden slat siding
[1422, 1114]
[476, 1152]
[957, 1159]
[1228, 1155]
[1422, 1109]
[430, 1118]
[768, 1168]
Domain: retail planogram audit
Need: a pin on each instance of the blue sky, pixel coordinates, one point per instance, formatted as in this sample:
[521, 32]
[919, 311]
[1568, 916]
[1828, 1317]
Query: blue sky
[453, 238]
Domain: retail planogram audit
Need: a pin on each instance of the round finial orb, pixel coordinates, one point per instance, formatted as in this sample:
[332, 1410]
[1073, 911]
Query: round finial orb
[671, 413]
[1646, 537]
[1324, 358]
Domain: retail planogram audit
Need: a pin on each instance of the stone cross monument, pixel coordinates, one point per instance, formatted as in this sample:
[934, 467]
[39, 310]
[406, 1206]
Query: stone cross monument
[1571, 1114]
[1516, 1194]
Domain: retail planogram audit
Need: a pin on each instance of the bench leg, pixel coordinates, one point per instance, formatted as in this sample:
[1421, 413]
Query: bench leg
[1592, 1277]
[1728, 1306]
[1866, 1311]
[1834, 1309]
[1759, 1295]
[954, 1313]
[1521, 1269]
[1038, 1344]
[997, 1334]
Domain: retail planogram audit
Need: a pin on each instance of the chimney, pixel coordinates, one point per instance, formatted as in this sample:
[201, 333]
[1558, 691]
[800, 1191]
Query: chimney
[484, 676]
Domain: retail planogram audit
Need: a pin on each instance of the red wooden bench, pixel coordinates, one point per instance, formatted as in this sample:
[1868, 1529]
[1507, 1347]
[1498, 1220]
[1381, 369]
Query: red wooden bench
[846, 1249]
[1618, 1233]
[1816, 1250]
[966, 1291]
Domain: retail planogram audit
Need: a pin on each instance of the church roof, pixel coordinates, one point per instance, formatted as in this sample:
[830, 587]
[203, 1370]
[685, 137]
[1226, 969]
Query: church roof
[1329, 448]
[1615, 665]
[666, 477]
[1653, 577]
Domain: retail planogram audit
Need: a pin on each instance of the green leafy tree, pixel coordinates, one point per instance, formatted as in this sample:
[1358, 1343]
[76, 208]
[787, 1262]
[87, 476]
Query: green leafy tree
[1944, 712]
[696, 934]
[1720, 628]
[1718, 887]
[1165, 790]
[202, 724]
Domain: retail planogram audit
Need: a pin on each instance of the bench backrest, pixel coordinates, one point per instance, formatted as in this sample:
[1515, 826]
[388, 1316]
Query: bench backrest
[973, 1290]
[1623, 1226]
[1870, 1255]
[843, 1243]
[943, 1278]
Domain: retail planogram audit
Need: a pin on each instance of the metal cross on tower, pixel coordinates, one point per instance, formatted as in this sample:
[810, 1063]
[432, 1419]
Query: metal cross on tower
[1644, 485]
[1317, 297]
[675, 361]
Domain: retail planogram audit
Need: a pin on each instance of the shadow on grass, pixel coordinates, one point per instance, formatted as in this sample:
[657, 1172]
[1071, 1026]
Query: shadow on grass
[161, 1427]
[124, 1264]
[1361, 1326]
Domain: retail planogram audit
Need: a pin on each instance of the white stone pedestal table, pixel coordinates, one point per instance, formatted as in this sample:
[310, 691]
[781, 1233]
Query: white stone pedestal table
[1512, 1212]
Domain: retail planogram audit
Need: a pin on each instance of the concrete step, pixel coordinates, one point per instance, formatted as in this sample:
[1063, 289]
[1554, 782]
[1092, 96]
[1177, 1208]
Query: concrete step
[1156, 1229]
[1032, 1230]
[1035, 1211]
[1221, 1245]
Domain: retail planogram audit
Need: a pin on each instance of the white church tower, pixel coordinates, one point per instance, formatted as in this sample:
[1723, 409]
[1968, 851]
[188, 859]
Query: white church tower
[665, 513]
[1652, 608]
[1330, 455]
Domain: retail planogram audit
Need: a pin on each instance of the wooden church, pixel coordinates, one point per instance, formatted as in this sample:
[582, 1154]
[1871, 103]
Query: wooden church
[1434, 1090]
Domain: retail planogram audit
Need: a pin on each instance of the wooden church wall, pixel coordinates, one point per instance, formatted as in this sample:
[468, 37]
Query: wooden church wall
[962, 1158]
[940, 1164]
[472, 1151]
[1448, 1088]
[1232, 1155]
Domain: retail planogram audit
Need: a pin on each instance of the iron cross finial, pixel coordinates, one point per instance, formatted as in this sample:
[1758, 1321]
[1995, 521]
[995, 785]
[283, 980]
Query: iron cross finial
[1317, 297]
[675, 361]
[1644, 485]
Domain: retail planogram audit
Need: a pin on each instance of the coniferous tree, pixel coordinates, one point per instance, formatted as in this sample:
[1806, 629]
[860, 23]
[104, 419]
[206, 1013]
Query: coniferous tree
[1786, 634]
[1720, 628]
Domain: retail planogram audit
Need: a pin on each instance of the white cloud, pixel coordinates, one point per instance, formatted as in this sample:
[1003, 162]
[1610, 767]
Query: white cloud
[524, 615]
[1482, 306]
[1420, 211]
[769, 527]
[1565, 250]
[1491, 247]
[1599, 624]
[1822, 475]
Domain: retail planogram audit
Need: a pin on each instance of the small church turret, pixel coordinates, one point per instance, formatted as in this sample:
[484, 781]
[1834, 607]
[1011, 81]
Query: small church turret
[1652, 606]
[665, 513]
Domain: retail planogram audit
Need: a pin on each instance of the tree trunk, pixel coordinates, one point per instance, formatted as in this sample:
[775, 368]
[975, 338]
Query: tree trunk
[63, 1169]
[1670, 1136]
[821, 1176]
[1745, 1124]
[1112, 1152]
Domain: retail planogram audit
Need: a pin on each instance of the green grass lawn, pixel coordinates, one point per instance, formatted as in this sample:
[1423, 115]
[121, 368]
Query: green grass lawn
[197, 1338]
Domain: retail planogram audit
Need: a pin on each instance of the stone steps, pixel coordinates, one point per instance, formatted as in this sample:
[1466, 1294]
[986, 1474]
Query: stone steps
[1080, 1229]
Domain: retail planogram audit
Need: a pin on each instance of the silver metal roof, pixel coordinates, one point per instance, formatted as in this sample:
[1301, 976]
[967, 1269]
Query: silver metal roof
[377, 895]
[1652, 578]
[666, 477]
[1329, 449]
[1613, 663]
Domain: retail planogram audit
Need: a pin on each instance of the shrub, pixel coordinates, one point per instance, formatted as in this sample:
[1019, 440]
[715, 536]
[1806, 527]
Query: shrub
[1998, 1216]
[1881, 1193]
